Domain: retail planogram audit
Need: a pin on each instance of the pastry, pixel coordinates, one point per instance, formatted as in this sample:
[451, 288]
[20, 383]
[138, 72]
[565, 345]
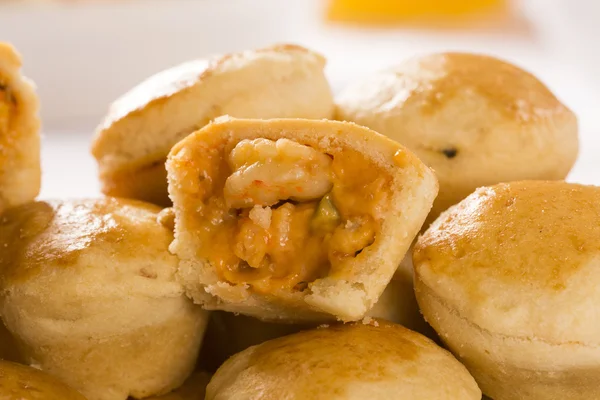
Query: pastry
[378, 360]
[88, 287]
[293, 220]
[474, 119]
[134, 139]
[19, 133]
[509, 279]
[19, 382]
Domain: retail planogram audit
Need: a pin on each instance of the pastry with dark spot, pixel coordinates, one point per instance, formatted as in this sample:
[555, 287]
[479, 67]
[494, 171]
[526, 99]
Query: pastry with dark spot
[476, 120]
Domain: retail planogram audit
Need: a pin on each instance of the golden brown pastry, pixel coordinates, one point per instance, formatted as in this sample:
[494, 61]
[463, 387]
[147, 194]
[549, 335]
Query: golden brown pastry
[141, 127]
[509, 279]
[89, 289]
[376, 361]
[19, 382]
[474, 119]
[193, 389]
[19, 133]
[293, 220]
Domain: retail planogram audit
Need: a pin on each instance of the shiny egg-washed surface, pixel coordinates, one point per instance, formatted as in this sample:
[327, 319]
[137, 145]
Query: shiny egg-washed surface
[534, 235]
[344, 362]
[38, 233]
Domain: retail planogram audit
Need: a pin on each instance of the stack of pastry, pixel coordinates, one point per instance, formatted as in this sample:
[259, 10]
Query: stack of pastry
[277, 250]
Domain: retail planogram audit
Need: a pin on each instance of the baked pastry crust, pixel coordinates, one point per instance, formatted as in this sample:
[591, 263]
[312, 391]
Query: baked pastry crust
[378, 360]
[88, 288]
[474, 119]
[19, 133]
[407, 186]
[131, 144]
[508, 278]
[26, 383]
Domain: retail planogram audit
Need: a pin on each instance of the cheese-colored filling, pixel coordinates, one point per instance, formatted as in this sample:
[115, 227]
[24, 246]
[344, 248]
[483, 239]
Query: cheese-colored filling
[289, 214]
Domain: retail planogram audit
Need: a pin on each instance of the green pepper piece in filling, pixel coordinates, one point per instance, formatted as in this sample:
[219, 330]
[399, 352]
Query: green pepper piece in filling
[326, 217]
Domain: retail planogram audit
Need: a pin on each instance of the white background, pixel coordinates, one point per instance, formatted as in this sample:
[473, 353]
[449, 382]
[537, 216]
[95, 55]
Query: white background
[83, 56]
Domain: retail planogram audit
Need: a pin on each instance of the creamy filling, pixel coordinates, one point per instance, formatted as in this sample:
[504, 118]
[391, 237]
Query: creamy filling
[289, 214]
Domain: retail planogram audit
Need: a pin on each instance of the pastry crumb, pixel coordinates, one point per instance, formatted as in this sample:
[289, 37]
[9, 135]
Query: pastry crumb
[261, 216]
[369, 321]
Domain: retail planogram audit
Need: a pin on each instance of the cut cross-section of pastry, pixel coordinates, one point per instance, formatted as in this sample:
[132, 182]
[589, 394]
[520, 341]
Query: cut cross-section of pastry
[291, 219]
[141, 127]
[19, 133]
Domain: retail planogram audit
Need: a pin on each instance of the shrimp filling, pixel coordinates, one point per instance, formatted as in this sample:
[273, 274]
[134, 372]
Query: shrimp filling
[7, 107]
[288, 214]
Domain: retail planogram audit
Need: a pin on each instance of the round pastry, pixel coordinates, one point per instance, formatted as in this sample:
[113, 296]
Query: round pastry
[88, 287]
[509, 279]
[132, 143]
[474, 119]
[19, 382]
[293, 220]
[378, 360]
[19, 133]
[193, 389]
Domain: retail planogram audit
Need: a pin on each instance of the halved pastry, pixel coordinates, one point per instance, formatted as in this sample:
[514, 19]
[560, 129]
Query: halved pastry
[19, 382]
[374, 360]
[19, 133]
[88, 288]
[291, 219]
[132, 143]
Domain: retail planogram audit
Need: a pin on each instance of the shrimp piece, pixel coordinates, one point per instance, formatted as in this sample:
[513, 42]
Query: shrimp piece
[266, 172]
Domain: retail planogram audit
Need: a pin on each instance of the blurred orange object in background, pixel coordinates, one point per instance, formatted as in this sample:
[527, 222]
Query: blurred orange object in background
[394, 11]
